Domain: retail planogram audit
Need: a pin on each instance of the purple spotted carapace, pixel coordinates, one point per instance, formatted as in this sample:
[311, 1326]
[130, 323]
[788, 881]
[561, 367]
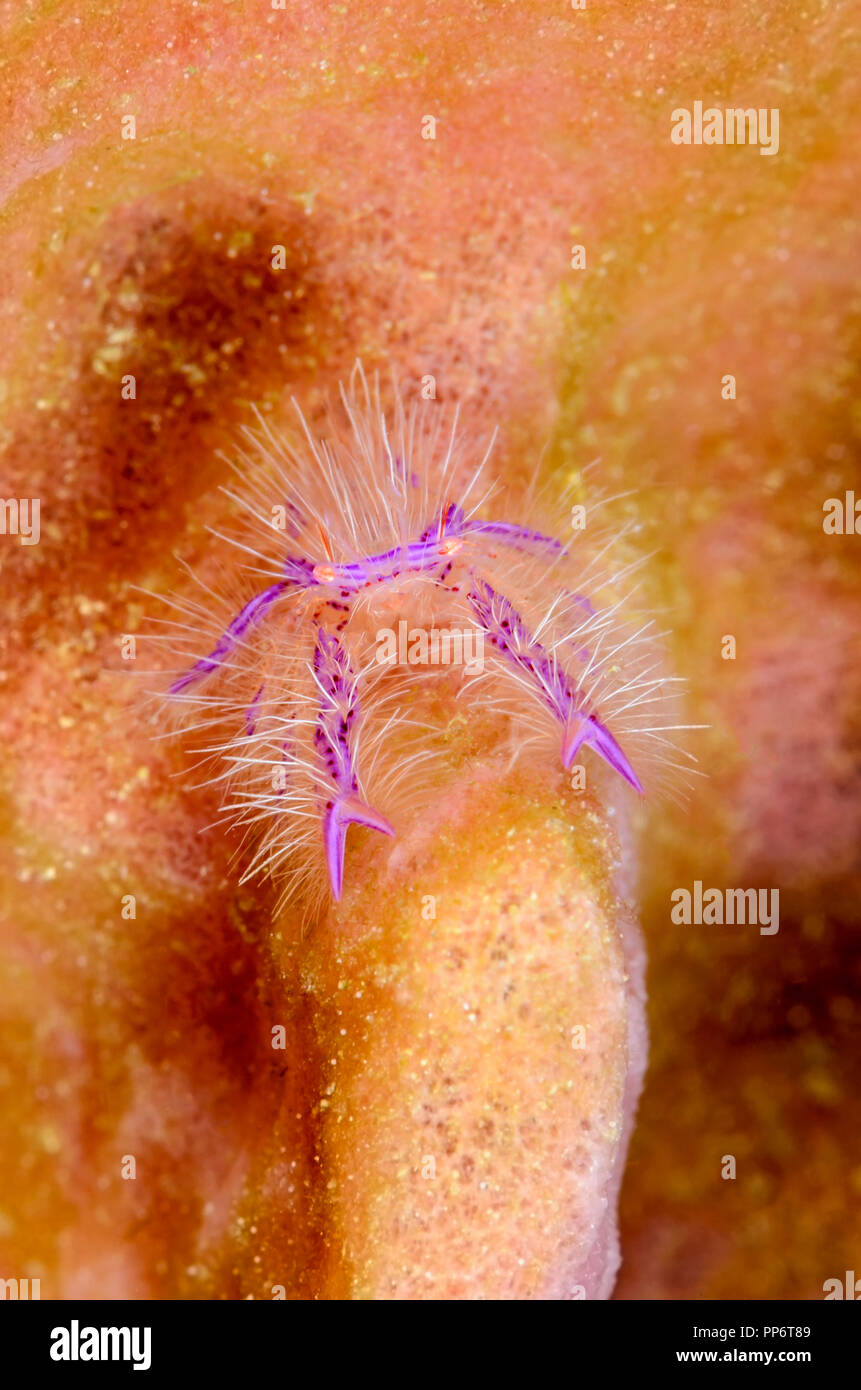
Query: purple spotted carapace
[429, 554]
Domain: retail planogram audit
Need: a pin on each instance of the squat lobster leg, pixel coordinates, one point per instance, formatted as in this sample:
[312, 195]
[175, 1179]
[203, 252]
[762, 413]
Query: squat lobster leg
[334, 738]
[516, 644]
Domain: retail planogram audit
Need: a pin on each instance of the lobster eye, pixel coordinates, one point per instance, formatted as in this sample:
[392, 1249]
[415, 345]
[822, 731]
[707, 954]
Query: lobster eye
[450, 547]
[324, 574]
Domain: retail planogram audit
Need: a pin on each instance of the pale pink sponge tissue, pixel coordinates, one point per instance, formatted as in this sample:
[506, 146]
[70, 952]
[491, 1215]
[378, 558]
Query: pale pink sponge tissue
[480, 1010]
